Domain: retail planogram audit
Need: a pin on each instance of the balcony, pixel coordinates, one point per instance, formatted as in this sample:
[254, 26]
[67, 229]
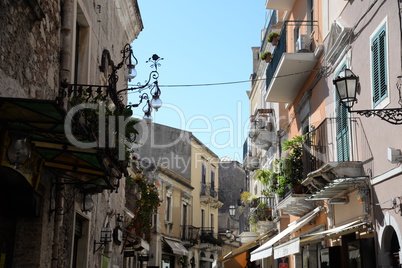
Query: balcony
[280, 4]
[207, 236]
[262, 215]
[209, 195]
[262, 132]
[190, 235]
[294, 201]
[334, 161]
[292, 62]
[252, 163]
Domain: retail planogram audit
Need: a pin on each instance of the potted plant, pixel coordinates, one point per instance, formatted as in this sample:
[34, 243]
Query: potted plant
[273, 38]
[147, 203]
[287, 172]
[266, 56]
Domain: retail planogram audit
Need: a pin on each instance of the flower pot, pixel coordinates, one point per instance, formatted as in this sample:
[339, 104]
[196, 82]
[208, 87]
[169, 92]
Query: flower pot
[268, 59]
[275, 40]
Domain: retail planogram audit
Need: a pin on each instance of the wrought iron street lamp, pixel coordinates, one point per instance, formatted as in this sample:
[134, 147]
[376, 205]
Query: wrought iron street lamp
[18, 151]
[346, 85]
[110, 90]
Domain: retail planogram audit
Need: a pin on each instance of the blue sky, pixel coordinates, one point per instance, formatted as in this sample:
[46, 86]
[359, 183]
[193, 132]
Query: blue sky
[202, 42]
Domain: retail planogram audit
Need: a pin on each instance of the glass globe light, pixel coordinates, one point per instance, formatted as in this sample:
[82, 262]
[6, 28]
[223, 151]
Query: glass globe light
[131, 73]
[148, 118]
[156, 102]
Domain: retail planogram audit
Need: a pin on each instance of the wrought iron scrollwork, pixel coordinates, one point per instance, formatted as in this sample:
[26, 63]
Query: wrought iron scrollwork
[393, 116]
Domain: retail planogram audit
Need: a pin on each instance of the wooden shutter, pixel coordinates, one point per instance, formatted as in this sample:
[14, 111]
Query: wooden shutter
[379, 66]
[342, 129]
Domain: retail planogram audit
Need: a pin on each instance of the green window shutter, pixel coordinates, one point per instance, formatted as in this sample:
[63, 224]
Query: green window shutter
[379, 66]
[342, 128]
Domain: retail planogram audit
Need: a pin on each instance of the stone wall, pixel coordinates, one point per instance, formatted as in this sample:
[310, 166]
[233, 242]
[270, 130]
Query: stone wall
[29, 50]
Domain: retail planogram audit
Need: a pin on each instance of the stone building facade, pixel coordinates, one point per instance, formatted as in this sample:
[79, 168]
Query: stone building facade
[42, 219]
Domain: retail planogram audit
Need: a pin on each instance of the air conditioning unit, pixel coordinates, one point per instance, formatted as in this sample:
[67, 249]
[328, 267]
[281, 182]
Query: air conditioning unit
[302, 43]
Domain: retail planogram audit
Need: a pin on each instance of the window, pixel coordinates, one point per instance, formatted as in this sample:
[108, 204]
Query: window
[203, 179]
[184, 219]
[169, 208]
[184, 231]
[80, 242]
[203, 173]
[305, 117]
[212, 221]
[213, 193]
[379, 65]
[202, 218]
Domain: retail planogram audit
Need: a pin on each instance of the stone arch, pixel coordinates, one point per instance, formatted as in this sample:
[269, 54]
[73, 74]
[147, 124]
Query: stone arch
[390, 240]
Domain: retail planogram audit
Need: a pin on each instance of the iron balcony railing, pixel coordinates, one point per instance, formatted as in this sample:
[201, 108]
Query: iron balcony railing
[208, 236]
[268, 201]
[262, 208]
[207, 189]
[190, 234]
[335, 140]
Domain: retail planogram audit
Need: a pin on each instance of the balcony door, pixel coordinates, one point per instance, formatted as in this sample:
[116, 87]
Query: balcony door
[342, 126]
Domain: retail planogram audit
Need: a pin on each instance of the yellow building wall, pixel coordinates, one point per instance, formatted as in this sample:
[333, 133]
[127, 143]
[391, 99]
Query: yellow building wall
[199, 156]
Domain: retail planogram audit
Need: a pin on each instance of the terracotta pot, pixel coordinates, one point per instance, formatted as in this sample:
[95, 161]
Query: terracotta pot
[275, 40]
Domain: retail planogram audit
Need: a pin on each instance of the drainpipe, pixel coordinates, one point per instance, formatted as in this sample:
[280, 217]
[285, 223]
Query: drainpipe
[66, 12]
[67, 8]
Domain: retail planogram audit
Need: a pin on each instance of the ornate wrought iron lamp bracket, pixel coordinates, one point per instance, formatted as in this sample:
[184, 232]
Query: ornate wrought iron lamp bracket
[346, 85]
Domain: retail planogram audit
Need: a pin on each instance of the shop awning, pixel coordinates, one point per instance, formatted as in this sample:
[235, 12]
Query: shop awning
[43, 120]
[240, 261]
[239, 256]
[176, 247]
[266, 249]
[334, 232]
[336, 187]
[288, 248]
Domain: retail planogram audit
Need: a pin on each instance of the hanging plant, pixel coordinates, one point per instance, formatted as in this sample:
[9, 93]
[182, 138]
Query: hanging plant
[266, 56]
[273, 38]
[147, 204]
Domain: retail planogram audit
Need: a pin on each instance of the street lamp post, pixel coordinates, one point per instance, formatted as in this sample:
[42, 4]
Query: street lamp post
[110, 90]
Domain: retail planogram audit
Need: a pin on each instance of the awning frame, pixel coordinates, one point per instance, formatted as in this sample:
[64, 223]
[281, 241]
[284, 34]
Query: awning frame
[265, 250]
[176, 246]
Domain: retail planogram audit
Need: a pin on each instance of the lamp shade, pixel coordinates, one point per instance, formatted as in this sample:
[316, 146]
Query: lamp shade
[18, 151]
[106, 235]
[156, 102]
[87, 203]
[232, 210]
[131, 73]
[148, 118]
[346, 86]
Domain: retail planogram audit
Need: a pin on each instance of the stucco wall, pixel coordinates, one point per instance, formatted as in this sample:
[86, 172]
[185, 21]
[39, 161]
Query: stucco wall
[165, 145]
